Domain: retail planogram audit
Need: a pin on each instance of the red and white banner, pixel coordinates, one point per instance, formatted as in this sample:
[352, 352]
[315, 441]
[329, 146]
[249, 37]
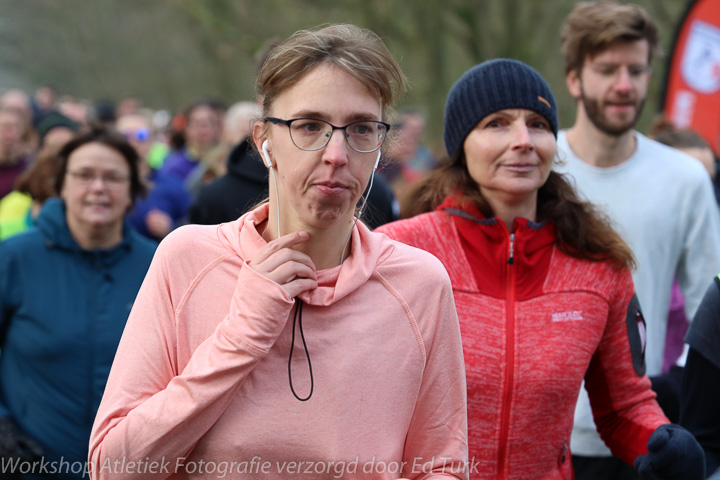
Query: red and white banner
[692, 85]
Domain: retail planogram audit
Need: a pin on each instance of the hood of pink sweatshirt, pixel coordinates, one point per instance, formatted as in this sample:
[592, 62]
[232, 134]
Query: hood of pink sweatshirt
[366, 252]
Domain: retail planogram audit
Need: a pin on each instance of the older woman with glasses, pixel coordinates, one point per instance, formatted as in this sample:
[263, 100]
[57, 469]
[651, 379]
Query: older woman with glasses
[65, 294]
[294, 341]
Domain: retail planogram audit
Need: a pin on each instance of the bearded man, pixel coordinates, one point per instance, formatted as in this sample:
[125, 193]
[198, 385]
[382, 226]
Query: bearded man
[659, 199]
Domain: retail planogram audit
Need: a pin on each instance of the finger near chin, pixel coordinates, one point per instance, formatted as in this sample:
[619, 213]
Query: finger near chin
[289, 240]
[282, 260]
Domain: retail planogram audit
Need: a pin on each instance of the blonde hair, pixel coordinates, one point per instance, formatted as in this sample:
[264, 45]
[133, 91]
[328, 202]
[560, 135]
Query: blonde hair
[359, 52]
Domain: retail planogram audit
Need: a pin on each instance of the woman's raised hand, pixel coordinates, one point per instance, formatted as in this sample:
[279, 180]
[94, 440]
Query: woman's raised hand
[291, 269]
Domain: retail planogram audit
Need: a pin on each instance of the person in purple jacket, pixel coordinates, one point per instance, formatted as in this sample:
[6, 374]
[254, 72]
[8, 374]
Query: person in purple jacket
[167, 202]
[201, 133]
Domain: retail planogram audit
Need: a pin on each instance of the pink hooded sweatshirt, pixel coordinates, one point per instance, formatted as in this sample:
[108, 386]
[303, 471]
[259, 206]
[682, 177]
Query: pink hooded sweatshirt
[199, 387]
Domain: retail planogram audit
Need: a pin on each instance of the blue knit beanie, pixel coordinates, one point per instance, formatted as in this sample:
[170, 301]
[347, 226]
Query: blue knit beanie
[492, 86]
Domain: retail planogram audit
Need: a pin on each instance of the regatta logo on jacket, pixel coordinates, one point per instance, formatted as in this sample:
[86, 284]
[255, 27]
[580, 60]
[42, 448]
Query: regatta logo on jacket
[569, 316]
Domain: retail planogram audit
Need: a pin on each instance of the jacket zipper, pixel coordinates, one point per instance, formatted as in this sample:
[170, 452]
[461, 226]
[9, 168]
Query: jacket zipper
[509, 356]
[511, 255]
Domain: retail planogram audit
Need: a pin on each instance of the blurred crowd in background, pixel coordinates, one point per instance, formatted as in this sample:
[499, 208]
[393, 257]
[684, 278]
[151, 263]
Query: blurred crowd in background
[182, 154]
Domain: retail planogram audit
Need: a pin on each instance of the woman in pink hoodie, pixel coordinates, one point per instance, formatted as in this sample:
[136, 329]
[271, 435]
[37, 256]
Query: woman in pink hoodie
[293, 341]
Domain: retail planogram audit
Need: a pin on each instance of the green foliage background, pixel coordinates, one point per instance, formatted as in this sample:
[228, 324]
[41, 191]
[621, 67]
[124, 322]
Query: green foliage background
[168, 53]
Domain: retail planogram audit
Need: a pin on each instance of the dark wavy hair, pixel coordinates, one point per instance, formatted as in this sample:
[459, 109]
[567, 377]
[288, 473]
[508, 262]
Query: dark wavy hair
[110, 139]
[581, 230]
[38, 180]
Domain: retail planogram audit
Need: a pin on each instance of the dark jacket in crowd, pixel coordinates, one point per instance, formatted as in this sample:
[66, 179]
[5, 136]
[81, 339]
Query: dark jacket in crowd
[226, 198]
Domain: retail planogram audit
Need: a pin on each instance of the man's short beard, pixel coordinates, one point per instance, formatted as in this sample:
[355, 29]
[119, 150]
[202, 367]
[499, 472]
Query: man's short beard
[594, 113]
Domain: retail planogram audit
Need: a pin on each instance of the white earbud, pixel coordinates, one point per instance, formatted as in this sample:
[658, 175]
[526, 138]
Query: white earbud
[266, 156]
[377, 162]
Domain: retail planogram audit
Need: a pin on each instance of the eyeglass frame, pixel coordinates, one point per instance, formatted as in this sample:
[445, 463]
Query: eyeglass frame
[109, 181]
[287, 123]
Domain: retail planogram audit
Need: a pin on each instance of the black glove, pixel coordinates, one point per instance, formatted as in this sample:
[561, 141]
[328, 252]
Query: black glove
[14, 443]
[673, 454]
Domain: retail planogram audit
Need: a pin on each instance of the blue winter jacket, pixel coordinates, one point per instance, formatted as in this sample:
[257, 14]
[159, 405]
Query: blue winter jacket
[168, 194]
[62, 312]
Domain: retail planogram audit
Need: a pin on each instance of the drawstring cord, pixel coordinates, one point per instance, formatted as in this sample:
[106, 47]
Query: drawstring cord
[298, 313]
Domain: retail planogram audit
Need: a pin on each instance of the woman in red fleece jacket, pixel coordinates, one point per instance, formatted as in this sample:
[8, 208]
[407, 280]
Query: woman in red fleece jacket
[543, 290]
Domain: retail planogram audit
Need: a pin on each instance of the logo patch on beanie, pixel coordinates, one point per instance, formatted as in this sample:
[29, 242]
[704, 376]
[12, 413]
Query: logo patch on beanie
[544, 101]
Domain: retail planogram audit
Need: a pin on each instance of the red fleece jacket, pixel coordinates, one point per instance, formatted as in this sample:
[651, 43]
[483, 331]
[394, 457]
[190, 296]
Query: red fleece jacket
[536, 322]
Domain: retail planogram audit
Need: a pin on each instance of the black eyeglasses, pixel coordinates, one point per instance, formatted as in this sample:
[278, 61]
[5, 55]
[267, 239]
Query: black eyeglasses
[364, 136]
